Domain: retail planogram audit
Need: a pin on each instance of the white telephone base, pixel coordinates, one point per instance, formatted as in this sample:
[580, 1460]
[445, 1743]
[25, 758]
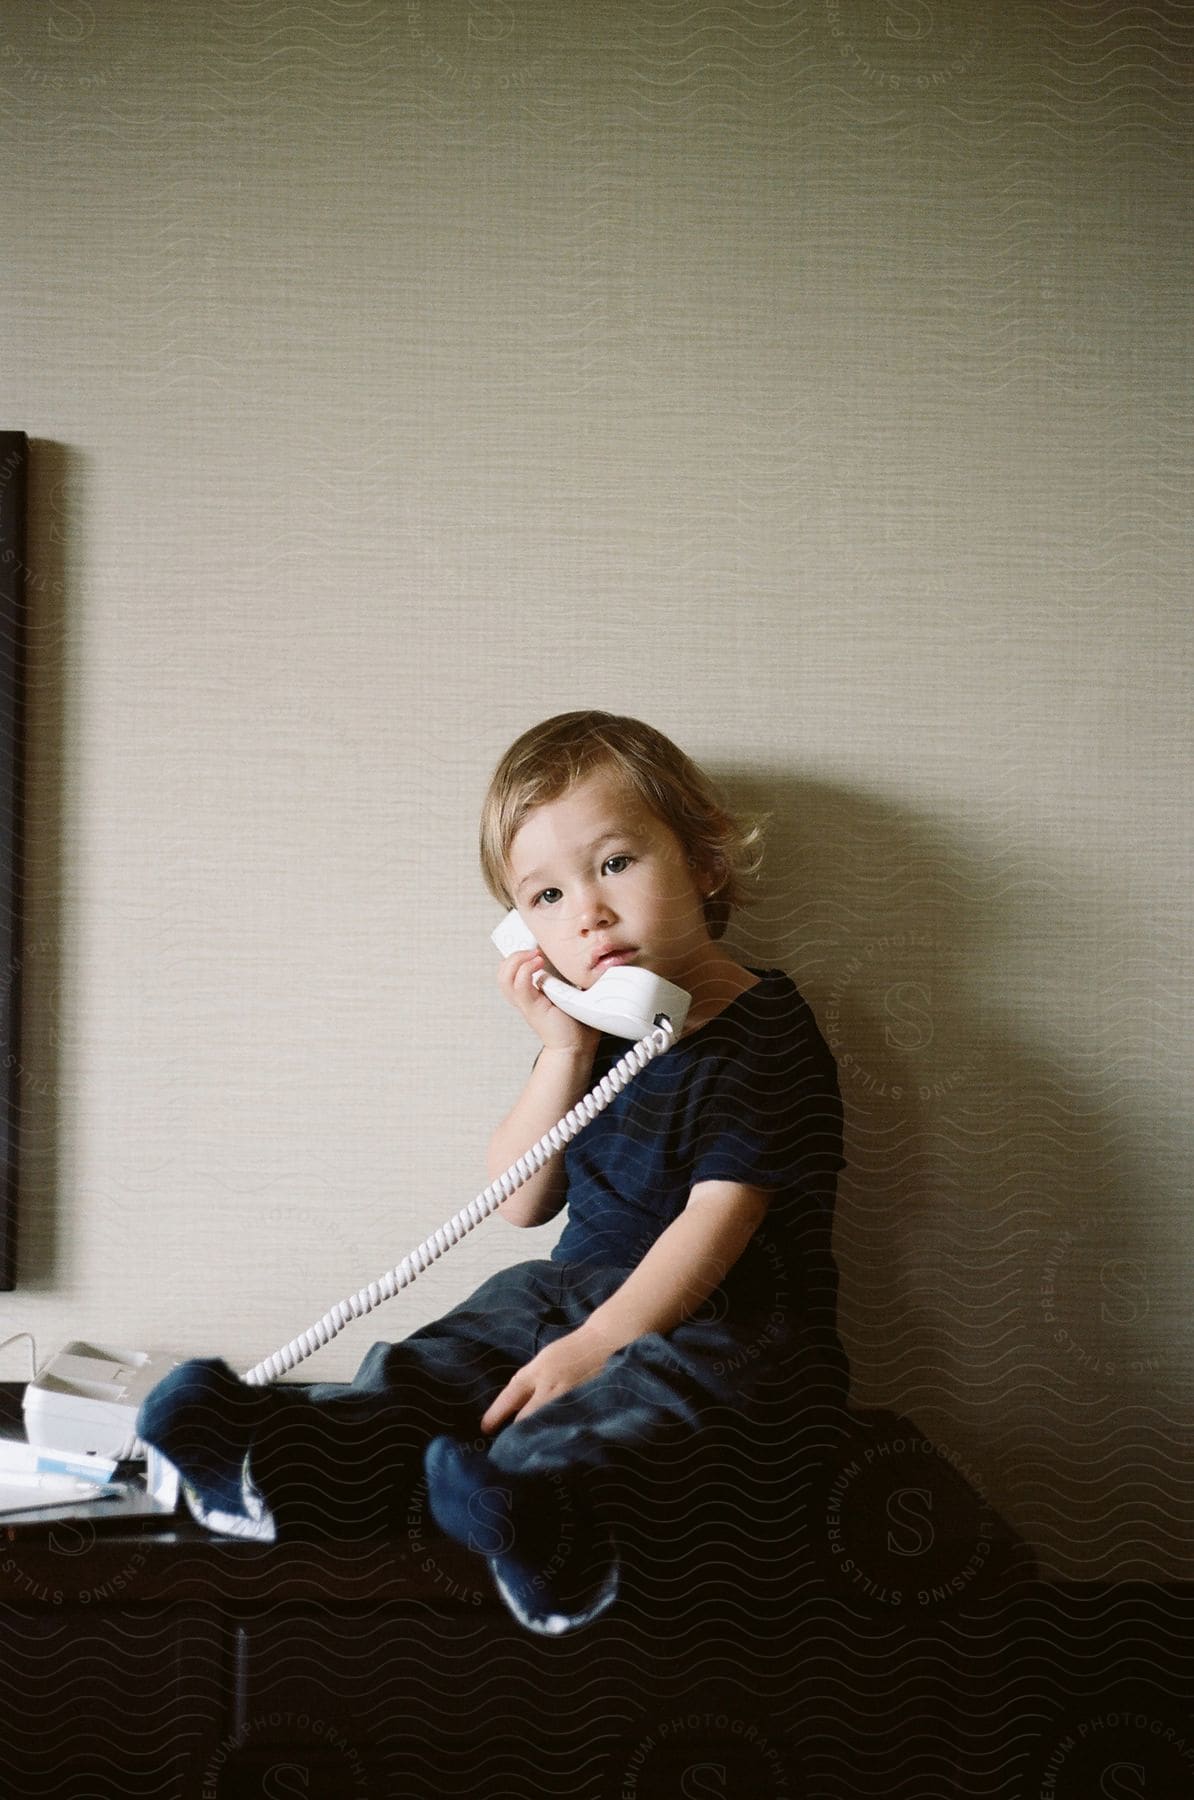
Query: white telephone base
[86, 1399]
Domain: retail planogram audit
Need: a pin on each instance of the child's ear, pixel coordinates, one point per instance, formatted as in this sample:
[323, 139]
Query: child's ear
[707, 877]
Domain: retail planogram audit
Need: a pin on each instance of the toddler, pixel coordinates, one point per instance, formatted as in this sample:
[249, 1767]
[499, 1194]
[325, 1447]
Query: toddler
[693, 1285]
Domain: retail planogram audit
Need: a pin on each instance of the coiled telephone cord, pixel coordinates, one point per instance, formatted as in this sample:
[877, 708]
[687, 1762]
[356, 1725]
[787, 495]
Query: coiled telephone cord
[433, 1247]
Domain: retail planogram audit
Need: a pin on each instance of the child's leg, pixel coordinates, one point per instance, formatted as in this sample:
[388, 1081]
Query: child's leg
[656, 1394]
[571, 1482]
[342, 1458]
[345, 1457]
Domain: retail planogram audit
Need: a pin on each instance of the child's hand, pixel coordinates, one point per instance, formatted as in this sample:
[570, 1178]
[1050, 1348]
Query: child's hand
[557, 1029]
[556, 1369]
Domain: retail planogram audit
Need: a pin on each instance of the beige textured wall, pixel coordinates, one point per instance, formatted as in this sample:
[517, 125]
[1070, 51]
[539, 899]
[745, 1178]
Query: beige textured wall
[807, 378]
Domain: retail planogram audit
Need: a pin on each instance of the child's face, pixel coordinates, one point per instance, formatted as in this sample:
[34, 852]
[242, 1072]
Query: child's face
[597, 871]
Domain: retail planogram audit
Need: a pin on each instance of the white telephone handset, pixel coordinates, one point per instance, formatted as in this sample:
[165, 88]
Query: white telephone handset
[626, 1002]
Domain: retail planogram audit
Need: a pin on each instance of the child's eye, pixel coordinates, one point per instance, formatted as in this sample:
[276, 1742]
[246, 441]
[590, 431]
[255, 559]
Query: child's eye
[544, 897]
[622, 858]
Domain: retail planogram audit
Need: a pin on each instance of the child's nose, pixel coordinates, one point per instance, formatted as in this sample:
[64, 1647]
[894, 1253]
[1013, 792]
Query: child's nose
[594, 912]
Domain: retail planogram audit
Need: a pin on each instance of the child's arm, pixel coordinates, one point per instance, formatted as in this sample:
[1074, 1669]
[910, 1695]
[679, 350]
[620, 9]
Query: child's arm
[558, 1080]
[561, 1076]
[684, 1264]
[679, 1271]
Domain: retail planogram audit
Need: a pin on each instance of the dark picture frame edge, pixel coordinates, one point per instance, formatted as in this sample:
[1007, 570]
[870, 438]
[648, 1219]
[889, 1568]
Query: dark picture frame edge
[14, 487]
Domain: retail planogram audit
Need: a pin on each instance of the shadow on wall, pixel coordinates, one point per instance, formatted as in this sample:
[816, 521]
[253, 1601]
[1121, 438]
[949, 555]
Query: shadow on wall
[1002, 1281]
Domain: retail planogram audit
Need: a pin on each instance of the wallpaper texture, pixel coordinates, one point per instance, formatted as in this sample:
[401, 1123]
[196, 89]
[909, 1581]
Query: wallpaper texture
[808, 379]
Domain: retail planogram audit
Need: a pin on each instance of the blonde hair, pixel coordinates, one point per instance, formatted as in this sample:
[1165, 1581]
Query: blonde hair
[549, 759]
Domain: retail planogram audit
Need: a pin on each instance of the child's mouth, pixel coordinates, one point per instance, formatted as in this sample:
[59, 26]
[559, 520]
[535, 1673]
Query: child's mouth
[612, 959]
